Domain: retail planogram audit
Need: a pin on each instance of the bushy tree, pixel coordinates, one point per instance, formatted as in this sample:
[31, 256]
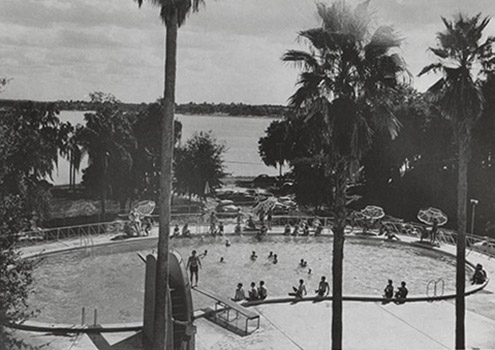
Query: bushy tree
[108, 140]
[31, 135]
[298, 142]
[146, 164]
[15, 210]
[197, 163]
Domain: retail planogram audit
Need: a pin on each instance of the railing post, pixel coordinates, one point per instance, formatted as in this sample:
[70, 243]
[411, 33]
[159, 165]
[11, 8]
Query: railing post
[83, 316]
[96, 316]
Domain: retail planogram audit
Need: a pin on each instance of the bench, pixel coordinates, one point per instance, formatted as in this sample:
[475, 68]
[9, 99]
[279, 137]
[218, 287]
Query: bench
[223, 308]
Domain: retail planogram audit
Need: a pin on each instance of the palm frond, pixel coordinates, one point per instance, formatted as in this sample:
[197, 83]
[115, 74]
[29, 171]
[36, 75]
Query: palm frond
[435, 67]
[440, 52]
[168, 8]
[308, 90]
[301, 59]
[315, 36]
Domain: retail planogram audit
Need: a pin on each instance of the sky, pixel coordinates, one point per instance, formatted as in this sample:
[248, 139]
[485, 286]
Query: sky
[227, 52]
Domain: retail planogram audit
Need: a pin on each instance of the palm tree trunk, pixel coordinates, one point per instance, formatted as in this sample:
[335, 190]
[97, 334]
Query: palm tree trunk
[162, 319]
[338, 258]
[461, 242]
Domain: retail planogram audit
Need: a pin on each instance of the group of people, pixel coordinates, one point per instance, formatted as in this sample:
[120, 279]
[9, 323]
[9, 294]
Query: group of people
[387, 232]
[186, 232]
[254, 293]
[138, 225]
[216, 228]
[400, 294]
[300, 291]
[479, 277]
[303, 228]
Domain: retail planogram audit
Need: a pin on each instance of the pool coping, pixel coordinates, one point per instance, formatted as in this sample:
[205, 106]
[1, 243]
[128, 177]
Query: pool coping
[37, 326]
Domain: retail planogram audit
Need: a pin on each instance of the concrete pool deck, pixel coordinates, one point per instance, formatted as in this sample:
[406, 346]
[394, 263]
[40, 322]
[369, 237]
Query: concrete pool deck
[307, 325]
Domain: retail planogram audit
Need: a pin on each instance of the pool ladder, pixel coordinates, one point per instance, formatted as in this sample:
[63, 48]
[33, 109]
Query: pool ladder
[435, 288]
[86, 241]
[83, 317]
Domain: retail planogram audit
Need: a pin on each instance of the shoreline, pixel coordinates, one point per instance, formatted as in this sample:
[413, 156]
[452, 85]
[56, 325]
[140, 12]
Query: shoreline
[224, 115]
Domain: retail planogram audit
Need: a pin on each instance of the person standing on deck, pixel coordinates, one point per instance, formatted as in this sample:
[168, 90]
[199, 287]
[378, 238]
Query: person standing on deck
[194, 263]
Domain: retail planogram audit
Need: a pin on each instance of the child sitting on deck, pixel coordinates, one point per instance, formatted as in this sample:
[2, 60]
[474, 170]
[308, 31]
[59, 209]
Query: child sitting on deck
[323, 288]
[401, 293]
[287, 230]
[239, 293]
[479, 275]
[253, 292]
[185, 230]
[300, 291]
[262, 292]
[388, 291]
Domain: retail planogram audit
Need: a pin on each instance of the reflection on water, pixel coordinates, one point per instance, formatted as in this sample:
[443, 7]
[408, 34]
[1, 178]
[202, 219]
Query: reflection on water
[114, 283]
[240, 135]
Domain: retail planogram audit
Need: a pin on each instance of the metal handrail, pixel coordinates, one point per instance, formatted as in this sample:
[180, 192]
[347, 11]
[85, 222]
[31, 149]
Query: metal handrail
[201, 223]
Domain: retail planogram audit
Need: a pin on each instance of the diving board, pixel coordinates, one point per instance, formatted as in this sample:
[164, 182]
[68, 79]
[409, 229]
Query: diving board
[224, 308]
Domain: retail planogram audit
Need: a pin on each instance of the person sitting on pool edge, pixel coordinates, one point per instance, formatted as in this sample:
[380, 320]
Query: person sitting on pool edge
[479, 275]
[262, 232]
[401, 293]
[253, 292]
[300, 291]
[323, 288]
[305, 228]
[296, 230]
[185, 230]
[250, 223]
[239, 293]
[287, 230]
[176, 231]
[262, 292]
[388, 291]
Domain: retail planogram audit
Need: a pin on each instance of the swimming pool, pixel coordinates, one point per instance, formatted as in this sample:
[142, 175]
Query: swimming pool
[111, 278]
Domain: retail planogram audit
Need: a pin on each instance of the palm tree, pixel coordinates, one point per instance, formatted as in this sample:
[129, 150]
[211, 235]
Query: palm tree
[464, 63]
[173, 13]
[72, 151]
[347, 79]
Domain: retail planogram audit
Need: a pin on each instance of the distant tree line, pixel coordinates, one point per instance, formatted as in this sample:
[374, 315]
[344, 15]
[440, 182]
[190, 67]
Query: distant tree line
[231, 109]
[123, 149]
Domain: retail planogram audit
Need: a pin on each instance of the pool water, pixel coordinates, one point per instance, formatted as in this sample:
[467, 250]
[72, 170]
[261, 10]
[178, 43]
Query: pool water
[111, 279]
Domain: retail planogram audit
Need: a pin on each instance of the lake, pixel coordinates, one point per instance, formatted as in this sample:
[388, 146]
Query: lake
[239, 134]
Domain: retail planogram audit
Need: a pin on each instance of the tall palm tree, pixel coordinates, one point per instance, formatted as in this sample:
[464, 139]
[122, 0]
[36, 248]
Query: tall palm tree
[72, 151]
[347, 78]
[173, 13]
[464, 62]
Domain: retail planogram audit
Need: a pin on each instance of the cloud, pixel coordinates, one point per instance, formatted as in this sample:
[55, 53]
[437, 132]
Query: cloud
[81, 13]
[229, 51]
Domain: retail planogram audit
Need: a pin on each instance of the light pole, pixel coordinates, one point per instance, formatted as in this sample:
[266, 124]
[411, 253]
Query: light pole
[474, 203]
